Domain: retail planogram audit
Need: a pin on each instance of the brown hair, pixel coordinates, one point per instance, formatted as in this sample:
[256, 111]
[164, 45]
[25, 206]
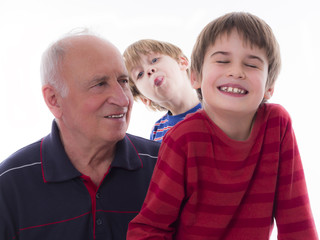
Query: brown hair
[252, 29]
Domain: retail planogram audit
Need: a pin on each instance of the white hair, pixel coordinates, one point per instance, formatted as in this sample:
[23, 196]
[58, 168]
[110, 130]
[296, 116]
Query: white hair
[50, 68]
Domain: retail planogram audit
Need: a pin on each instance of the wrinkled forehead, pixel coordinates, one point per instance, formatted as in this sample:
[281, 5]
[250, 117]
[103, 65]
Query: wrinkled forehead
[93, 56]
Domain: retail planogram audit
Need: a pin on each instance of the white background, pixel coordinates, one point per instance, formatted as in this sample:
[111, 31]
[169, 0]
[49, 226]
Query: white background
[28, 26]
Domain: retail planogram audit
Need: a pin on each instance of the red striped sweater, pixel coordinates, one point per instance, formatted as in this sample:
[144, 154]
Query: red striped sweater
[208, 186]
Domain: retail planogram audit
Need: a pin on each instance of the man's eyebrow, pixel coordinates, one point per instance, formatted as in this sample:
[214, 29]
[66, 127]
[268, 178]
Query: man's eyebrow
[124, 76]
[100, 78]
[97, 79]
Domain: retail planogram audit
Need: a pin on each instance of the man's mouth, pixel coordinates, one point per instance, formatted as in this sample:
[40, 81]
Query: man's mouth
[233, 90]
[115, 116]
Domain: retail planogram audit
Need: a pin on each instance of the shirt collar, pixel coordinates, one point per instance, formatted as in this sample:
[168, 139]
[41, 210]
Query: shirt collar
[126, 156]
[57, 167]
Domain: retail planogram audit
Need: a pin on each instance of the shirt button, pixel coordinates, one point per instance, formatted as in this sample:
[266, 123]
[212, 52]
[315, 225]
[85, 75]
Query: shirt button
[99, 221]
[98, 195]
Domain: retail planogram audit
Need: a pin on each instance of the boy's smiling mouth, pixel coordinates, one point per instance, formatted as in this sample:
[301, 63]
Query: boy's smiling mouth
[236, 90]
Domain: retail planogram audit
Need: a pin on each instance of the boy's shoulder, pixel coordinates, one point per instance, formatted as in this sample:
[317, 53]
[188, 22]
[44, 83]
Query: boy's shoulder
[273, 116]
[272, 110]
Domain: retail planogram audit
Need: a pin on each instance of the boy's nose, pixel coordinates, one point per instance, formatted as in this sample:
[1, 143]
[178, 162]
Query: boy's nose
[151, 71]
[237, 72]
[239, 75]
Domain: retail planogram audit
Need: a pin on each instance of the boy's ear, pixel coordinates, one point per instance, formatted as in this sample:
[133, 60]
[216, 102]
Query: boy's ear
[195, 80]
[184, 63]
[268, 93]
[146, 101]
[52, 99]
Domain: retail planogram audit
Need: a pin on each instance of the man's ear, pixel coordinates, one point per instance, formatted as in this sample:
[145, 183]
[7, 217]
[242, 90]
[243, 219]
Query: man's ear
[195, 80]
[146, 101]
[52, 99]
[184, 63]
[268, 93]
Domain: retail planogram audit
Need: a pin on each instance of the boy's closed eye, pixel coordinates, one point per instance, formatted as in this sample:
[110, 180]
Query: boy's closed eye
[251, 65]
[222, 61]
[254, 62]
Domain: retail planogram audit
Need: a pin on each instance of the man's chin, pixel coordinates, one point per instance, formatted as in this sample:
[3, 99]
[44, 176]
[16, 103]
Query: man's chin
[116, 135]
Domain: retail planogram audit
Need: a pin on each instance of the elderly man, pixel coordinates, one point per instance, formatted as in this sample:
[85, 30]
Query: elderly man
[88, 178]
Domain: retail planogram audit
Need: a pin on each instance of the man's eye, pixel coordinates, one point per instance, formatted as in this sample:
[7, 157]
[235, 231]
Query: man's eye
[124, 81]
[100, 84]
[154, 60]
[140, 74]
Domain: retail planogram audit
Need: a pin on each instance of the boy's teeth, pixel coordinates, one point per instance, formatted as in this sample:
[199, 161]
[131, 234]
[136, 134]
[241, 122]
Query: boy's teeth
[232, 90]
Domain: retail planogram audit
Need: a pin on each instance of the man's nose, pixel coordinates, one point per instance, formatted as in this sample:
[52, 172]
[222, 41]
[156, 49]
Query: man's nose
[119, 96]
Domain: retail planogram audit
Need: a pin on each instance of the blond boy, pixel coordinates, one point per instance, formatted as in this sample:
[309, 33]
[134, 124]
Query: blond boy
[159, 77]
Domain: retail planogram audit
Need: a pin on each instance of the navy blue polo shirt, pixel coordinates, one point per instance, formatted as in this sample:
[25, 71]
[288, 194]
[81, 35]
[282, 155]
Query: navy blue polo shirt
[43, 196]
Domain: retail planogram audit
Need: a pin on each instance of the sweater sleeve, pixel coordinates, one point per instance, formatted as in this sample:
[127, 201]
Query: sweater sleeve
[292, 208]
[161, 207]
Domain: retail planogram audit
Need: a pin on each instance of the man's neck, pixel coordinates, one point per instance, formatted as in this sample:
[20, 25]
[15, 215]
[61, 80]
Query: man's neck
[91, 159]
